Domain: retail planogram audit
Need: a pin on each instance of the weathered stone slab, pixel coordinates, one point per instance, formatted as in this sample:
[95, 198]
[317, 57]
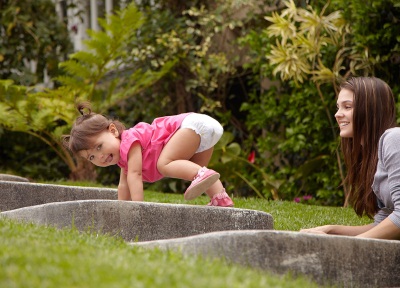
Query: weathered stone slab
[16, 195]
[142, 221]
[339, 260]
[245, 236]
[8, 177]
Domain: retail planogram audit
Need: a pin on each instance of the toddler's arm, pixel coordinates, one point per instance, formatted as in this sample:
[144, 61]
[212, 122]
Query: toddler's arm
[134, 175]
[123, 188]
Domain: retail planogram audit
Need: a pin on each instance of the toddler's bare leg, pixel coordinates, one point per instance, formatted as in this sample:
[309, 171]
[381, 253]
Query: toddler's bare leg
[178, 158]
[202, 158]
[175, 158]
[215, 189]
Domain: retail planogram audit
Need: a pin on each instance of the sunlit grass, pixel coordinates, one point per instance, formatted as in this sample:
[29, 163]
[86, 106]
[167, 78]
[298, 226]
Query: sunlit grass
[36, 256]
[289, 216]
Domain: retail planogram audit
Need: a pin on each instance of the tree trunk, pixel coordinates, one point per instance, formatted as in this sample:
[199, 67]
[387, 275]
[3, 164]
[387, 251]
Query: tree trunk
[85, 171]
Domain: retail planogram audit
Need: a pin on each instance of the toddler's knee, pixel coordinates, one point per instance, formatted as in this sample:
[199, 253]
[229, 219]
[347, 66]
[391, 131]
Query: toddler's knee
[162, 167]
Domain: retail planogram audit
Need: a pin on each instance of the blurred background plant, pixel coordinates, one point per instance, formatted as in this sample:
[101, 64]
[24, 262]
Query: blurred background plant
[267, 70]
[94, 75]
[298, 60]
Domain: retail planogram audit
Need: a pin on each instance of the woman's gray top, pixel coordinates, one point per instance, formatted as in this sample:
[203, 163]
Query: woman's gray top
[386, 183]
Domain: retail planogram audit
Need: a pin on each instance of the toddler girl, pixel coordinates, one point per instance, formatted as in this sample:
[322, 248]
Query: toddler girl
[178, 146]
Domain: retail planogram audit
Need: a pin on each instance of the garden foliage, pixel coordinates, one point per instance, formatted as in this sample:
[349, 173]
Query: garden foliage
[31, 34]
[89, 75]
[268, 71]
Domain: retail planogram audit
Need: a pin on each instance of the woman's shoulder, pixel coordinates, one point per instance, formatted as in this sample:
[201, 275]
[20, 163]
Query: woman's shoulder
[391, 137]
[391, 132]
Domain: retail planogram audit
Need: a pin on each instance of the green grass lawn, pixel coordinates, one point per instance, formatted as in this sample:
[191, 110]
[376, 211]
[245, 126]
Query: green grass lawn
[35, 256]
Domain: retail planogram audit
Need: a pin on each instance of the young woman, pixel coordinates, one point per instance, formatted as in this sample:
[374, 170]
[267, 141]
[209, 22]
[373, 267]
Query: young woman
[178, 146]
[370, 142]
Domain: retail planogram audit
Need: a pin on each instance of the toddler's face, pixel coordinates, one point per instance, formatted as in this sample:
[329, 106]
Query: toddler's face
[105, 151]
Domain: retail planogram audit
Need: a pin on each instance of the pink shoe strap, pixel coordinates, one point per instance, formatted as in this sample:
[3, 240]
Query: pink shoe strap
[221, 195]
[201, 172]
[221, 199]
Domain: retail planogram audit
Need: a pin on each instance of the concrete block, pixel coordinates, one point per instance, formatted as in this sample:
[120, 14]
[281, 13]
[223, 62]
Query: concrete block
[16, 195]
[238, 235]
[326, 259]
[8, 177]
[142, 221]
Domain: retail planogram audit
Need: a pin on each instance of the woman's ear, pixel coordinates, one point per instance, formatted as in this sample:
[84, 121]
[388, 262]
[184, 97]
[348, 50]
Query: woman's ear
[113, 129]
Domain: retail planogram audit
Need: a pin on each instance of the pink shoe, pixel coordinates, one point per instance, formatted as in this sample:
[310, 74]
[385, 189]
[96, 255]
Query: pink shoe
[201, 182]
[221, 199]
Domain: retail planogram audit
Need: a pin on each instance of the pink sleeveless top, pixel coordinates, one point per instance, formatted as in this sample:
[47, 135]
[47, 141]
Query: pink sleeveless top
[152, 137]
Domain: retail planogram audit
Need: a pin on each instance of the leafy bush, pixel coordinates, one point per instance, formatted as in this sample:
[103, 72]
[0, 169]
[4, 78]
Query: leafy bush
[48, 114]
[310, 48]
[25, 155]
[228, 61]
[31, 32]
[375, 26]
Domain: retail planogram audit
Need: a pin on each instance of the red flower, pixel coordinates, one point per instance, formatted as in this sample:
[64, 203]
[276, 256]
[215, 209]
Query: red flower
[252, 157]
[74, 28]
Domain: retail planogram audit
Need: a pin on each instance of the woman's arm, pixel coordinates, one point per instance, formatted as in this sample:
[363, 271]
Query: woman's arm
[339, 230]
[123, 189]
[384, 230]
[134, 175]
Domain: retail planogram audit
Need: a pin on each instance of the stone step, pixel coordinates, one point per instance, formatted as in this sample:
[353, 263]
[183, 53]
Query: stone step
[9, 177]
[329, 260]
[141, 221]
[241, 236]
[16, 195]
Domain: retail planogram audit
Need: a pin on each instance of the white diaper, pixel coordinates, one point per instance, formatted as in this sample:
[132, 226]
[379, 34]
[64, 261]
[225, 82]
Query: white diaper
[209, 129]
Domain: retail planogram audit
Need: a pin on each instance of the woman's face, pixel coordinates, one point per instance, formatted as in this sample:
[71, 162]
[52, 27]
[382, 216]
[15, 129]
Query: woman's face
[344, 114]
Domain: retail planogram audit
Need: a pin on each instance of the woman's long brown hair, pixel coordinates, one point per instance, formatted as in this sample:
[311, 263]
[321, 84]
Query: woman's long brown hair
[374, 112]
